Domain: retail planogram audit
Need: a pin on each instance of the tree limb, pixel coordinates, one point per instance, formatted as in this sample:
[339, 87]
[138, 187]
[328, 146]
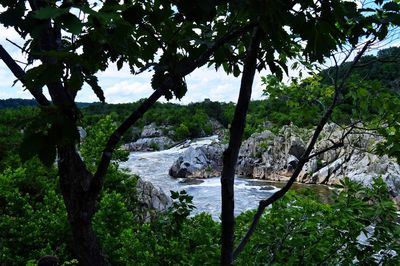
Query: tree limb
[117, 135]
[187, 69]
[334, 145]
[19, 73]
[304, 158]
[231, 153]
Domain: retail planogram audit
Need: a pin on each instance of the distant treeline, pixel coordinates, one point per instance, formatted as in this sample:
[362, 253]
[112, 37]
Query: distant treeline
[188, 121]
[301, 104]
[14, 103]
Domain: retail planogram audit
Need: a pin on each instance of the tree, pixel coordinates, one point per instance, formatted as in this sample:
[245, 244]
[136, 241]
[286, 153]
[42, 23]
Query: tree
[70, 41]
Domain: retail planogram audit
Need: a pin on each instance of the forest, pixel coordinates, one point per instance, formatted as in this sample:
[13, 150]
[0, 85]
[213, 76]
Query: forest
[64, 197]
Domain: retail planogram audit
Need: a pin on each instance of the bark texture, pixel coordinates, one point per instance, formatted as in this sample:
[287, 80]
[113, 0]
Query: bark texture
[231, 153]
[80, 202]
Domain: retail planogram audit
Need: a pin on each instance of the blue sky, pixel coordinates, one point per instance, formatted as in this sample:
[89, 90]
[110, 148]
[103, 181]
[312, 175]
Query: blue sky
[121, 86]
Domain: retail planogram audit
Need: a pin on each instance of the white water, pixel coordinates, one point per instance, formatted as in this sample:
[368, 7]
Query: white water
[154, 167]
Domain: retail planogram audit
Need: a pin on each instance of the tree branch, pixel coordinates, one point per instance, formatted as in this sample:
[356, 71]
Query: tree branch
[117, 135]
[304, 158]
[19, 73]
[231, 153]
[137, 114]
[334, 145]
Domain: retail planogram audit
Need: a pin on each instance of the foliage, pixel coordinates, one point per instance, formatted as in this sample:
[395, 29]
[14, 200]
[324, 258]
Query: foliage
[301, 230]
[304, 103]
[181, 207]
[33, 220]
[188, 121]
[384, 66]
[92, 146]
[12, 103]
[74, 40]
[12, 124]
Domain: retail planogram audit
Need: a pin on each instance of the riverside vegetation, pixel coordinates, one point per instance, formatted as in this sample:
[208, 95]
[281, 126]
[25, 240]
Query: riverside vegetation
[66, 44]
[300, 229]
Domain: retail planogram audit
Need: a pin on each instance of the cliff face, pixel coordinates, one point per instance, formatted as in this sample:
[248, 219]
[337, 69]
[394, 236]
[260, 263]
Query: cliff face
[274, 156]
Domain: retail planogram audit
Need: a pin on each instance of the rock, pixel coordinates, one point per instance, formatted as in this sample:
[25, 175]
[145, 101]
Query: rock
[199, 162]
[397, 201]
[245, 166]
[152, 138]
[191, 181]
[150, 144]
[82, 133]
[151, 131]
[275, 156]
[270, 156]
[268, 188]
[217, 127]
[150, 198]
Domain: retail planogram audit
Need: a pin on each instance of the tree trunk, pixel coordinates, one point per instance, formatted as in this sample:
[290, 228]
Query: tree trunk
[80, 201]
[231, 153]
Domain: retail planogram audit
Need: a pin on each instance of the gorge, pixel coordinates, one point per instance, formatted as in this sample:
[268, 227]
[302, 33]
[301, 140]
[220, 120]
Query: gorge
[195, 166]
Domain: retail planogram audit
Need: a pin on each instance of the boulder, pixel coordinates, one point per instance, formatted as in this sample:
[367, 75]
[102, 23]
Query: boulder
[199, 162]
[270, 156]
[150, 198]
[151, 131]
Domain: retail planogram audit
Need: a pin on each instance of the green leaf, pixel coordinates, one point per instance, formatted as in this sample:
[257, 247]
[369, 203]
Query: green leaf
[391, 6]
[120, 63]
[38, 144]
[70, 22]
[41, 75]
[236, 70]
[49, 12]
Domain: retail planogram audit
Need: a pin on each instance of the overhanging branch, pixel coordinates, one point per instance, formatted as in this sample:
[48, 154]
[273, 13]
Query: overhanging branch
[19, 73]
[167, 85]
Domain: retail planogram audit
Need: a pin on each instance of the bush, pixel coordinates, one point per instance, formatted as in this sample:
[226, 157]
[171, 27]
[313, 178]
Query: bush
[298, 230]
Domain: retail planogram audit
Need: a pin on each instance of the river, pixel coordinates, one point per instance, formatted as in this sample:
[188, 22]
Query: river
[154, 166]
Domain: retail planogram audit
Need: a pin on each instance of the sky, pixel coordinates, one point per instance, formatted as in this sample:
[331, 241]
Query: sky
[122, 87]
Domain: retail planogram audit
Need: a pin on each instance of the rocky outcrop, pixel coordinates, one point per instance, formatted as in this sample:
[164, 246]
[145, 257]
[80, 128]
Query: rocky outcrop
[150, 144]
[152, 138]
[270, 155]
[150, 199]
[274, 157]
[151, 131]
[217, 128]
[199, 162]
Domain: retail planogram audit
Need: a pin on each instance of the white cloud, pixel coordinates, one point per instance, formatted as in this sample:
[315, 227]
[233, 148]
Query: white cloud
[126, 91]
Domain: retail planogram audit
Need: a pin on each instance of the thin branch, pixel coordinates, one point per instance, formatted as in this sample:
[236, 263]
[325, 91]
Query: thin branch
[16, 45]
[119, 132]
[146, 67]
[19, 73]
[280, 193]
[334, 146]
